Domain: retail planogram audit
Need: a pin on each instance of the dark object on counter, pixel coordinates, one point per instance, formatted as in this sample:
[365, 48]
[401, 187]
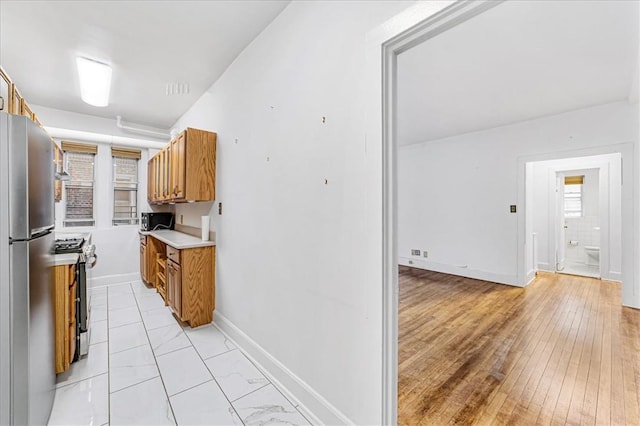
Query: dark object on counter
[72, 245]
[155, 221]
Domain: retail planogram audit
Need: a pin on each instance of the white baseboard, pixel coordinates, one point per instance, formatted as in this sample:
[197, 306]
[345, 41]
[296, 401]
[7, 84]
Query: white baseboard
[477, 274]
[113, 279]
[546, 267]
[612, 276]
[530, 277]
[313, 405]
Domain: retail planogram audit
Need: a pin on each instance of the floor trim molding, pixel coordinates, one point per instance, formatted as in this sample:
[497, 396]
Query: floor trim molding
[113, 279]
[313, 405]
[461, 271]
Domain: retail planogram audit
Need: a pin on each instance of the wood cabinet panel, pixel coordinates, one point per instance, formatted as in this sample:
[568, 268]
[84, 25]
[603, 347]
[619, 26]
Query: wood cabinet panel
[5, 92]
[198, 285]
[174, 287]
[200, 165]
[72, 323]
[64, 289]
[58, 160]
[25, 109]
[16, 100]
[143, 263]
[178, 163]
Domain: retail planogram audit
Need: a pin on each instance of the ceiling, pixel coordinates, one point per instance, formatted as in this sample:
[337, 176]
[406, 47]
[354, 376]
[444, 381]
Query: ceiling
[148, 43]
[518, 61]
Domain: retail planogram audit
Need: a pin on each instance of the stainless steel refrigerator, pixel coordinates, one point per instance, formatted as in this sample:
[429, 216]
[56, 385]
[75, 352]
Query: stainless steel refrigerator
[27, 370]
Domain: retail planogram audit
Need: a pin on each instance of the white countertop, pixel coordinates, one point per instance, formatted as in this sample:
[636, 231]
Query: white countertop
[178, 240]
[65, 259]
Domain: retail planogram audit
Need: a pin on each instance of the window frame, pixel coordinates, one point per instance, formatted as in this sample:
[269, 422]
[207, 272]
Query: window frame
[573, 196]
[79, 223]
[134, 220]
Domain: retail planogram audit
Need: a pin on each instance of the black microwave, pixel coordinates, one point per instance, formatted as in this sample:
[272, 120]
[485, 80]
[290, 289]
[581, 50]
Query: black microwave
[155, 221]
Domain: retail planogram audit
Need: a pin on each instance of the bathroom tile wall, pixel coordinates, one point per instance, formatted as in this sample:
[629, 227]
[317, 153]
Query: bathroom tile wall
[586, 231]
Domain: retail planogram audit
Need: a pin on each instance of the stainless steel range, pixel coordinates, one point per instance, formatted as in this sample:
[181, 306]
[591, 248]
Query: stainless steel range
[87, 258]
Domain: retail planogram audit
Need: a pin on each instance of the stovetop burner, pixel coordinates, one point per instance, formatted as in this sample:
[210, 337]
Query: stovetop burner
[68, 245]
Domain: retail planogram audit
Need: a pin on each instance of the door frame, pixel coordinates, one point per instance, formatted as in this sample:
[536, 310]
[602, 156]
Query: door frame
[406, 30]
[415, 25]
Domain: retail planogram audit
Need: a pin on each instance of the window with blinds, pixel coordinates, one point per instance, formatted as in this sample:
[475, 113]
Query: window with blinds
[573, 196]
[125, 186]
[79, 191]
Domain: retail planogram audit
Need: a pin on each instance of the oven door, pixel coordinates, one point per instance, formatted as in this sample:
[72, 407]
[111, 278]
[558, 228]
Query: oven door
[82, 309]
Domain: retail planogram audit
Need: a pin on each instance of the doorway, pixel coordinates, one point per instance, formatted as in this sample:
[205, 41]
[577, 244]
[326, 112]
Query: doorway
[437, 22]
[573, 214]
[578, 223]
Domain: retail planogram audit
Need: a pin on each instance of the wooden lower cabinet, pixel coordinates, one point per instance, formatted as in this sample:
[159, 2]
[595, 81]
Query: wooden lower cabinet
[144, 263]
[65, 294]
[184, 278]
[191, 284]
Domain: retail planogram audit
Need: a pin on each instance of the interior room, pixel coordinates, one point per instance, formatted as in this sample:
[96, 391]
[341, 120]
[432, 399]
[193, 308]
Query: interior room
[491, 289]
[200, 210]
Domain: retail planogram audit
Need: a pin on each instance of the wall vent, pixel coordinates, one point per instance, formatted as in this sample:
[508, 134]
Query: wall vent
[177, 89]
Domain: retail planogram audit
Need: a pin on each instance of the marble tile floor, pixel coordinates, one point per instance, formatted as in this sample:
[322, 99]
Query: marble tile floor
[144, 368]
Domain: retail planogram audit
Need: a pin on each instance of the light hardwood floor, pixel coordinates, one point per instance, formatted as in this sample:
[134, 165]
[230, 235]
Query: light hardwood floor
[561, 351]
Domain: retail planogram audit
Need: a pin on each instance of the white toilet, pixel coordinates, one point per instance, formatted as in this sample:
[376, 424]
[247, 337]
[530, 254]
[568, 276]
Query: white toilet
[593, 255]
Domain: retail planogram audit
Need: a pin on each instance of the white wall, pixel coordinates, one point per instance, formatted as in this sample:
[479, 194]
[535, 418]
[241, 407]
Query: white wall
[454, 193]
[602, 201]
[117, 246]
[294, 267]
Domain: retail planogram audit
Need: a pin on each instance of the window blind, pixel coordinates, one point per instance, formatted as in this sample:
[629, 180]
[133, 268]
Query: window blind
[88, 148]
[574, 180]
[125, 152]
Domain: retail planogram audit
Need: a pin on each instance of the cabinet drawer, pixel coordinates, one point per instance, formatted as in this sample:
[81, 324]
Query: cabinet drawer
[173, 254]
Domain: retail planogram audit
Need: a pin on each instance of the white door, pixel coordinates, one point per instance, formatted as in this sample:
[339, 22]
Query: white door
[560, 223]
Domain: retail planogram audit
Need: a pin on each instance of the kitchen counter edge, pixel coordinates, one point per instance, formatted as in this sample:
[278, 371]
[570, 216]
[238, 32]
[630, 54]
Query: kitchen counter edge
[178, 240]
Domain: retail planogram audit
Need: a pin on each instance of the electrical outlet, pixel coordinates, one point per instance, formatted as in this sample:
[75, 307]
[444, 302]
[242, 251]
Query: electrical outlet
[410, 262]
[415, 252]
[425, 253]
[220, 208]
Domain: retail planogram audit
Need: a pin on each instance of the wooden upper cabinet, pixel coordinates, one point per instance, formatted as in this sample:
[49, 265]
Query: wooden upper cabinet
[5, 92]
[200, 165]
[185, 170]
[25, 109]
[16, 101]
[57, 159]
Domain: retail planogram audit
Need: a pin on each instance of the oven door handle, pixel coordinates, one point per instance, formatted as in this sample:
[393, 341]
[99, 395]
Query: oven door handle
[91, 262]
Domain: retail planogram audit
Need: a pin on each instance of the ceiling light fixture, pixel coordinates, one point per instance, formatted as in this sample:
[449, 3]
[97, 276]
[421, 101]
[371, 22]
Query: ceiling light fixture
[95, 81]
